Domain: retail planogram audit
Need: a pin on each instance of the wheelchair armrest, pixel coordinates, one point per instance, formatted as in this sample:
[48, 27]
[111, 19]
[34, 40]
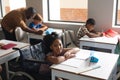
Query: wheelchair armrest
[36, 61]
[32, 60]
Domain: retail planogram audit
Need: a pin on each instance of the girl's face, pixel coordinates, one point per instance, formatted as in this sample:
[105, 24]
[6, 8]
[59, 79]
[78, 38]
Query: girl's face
[57, 47]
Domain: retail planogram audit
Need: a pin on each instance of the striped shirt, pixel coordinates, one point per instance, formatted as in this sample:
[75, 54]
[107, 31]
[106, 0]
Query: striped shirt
[81, 32]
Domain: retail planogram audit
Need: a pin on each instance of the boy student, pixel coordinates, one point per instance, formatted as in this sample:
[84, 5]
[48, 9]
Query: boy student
[37, 25]
[55, 51]
[88, 29]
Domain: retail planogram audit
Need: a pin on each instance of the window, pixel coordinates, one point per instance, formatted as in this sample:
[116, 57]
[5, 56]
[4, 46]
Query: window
[117, 21]
[67, 10]
[8, 5]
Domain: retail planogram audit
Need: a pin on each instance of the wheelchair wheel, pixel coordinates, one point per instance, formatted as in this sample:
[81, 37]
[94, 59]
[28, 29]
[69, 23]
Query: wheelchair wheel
[21, 76]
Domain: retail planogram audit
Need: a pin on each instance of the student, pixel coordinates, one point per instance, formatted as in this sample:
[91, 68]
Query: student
[56, 52]
[37, 25]
[88, 29]
[17, 18]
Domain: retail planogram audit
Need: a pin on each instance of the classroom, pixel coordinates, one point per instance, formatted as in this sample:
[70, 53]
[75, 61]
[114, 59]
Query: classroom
[87, 32]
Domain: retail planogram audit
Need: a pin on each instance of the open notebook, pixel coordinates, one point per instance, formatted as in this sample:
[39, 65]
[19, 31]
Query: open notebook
[77, 64]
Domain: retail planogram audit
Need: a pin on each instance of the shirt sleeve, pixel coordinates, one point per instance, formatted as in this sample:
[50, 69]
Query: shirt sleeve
[81, 32]
[31, 25]
[20, 21]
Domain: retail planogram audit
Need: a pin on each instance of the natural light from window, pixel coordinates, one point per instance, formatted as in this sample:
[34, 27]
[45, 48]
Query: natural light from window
[9, 5]
[67, 11]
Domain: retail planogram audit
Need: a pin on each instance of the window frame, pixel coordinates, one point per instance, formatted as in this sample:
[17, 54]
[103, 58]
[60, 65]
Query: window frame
[46, 16]
[114, 19]
[116, 13]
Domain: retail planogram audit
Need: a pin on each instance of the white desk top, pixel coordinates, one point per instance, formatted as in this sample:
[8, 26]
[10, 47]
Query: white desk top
[36, 36]
[77, 64]
[8, 54]
[110, 40]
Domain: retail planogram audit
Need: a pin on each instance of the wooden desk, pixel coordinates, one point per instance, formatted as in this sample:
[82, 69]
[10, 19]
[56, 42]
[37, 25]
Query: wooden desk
[7, 55]
[72, 68]
[99, 43]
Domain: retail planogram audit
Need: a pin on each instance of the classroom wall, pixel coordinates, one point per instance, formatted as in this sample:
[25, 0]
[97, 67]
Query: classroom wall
[101, 10]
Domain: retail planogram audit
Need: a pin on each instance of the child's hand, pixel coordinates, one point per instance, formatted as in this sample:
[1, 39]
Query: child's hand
[40, 32]
[100, 33]
[68, 55]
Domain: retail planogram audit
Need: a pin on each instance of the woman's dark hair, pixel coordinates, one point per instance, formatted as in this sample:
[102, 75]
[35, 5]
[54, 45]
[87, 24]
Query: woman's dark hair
[30, 11]
[49, 39]
[90, 21]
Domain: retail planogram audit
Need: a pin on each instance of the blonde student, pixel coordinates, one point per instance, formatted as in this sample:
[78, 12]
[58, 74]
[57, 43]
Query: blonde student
[37, 23]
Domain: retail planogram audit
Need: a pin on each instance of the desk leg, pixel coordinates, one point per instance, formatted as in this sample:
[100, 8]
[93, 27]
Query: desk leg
[7, 70]
[53, 76]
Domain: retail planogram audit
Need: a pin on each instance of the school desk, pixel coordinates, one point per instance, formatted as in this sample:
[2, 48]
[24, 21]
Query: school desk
[78, 68]
[105, 44]
[9, 54]
[61, 33]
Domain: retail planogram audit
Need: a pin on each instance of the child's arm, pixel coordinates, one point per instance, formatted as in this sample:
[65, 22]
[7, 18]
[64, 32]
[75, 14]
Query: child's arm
[55, 60]
[92, 35]
[71, 53]
[42, 29]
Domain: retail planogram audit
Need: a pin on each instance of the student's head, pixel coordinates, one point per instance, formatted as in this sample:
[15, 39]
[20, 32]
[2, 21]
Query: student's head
[30, 12]
[53, 43]
[37, 19]
[90, 23]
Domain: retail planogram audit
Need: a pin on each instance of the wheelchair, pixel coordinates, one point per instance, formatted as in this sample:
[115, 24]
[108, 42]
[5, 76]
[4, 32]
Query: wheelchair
[27, 67]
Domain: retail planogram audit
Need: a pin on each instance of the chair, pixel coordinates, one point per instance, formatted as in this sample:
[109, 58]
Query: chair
[21, 35]
[28, 65]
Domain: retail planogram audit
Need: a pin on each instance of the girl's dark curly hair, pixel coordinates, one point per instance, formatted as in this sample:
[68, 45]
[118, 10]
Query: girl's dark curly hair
[49, 39]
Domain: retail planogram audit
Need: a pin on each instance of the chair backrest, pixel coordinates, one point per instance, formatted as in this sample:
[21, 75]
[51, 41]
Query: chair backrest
[21, 35]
